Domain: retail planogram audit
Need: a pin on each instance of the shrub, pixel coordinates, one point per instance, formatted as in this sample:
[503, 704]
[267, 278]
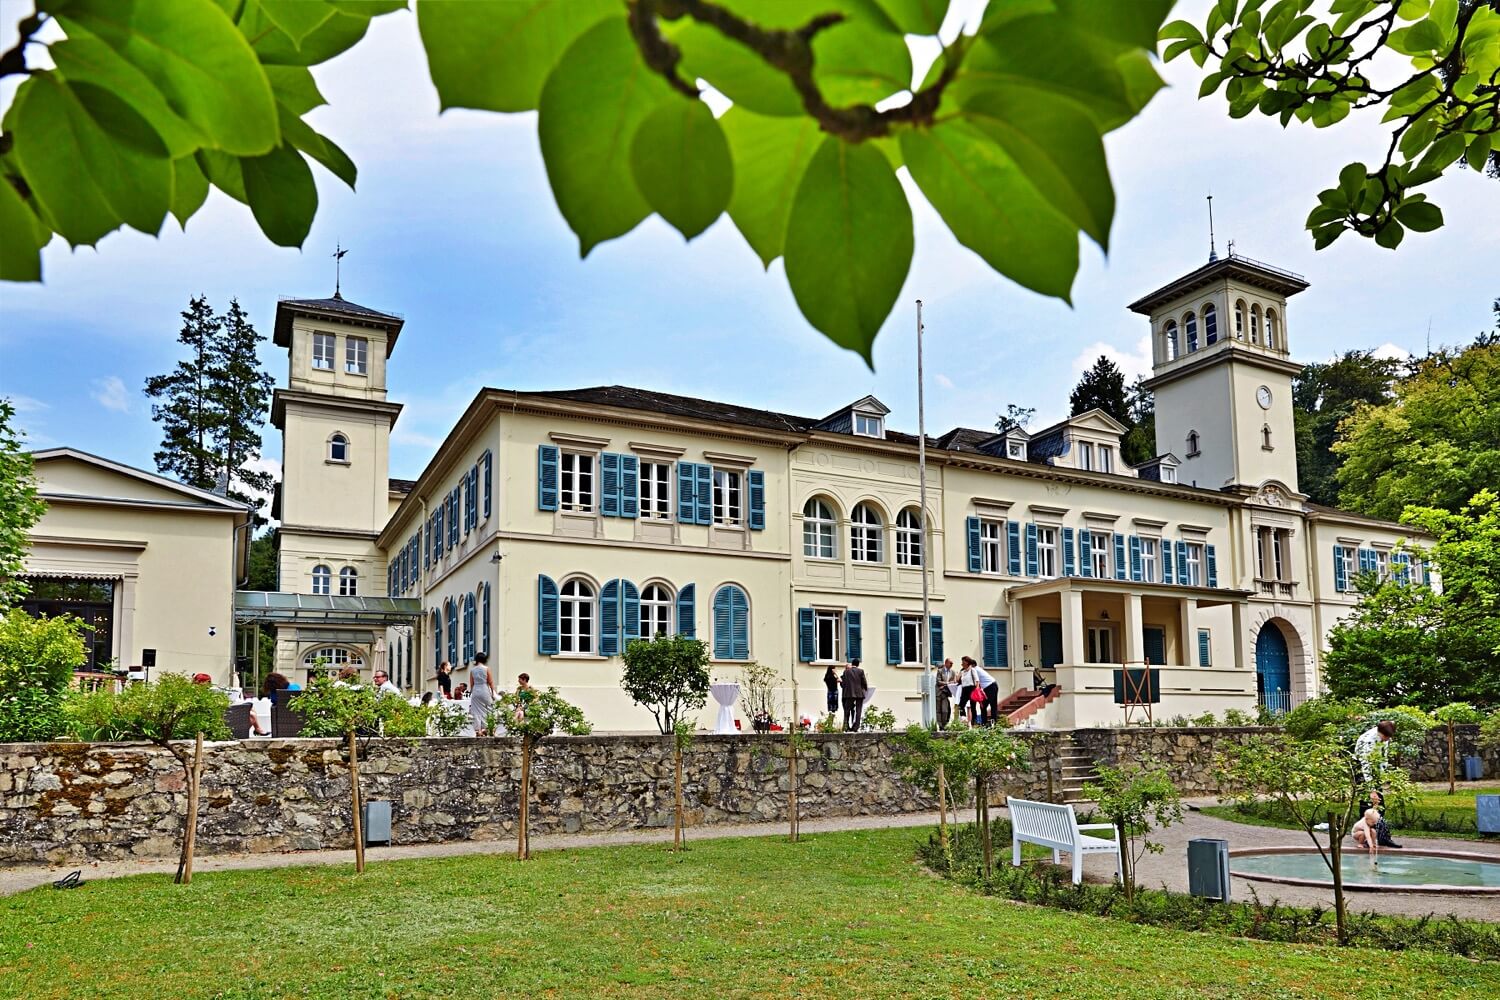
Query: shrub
[1411, 730]
[37, 657]
[668, 675]
[1135, 798]
[828, 724]
[31, 714]
[879, 720]
[1316, 717]
[1207, 720]
[1235, 717]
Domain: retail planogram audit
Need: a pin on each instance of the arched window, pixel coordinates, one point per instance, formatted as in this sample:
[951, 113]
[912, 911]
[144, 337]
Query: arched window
[1171, 332]
[731, 623]
[333, 658]
[437, 638]
[469, 628]
[1239, 319]
[338, 448]
[866, 535]
[1210, 325]
[576, 617]
[484, 618]
[348, 582]
[1190, 327]
[1272, 334]
[656, 611]
[1255, 324]
[819, 530]
[909, 537]
[1192, 444]
[1265, 437]
[450, 607]
[322, 580]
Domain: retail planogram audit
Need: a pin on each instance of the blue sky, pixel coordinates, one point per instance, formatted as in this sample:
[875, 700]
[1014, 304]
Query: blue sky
[454, 227]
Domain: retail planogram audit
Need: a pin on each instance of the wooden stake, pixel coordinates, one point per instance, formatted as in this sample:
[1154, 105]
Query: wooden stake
[677, 795]
[359, 831]
[190, 835]
[942, 808]
[1451, 780]
[791, 788]
[523, 847]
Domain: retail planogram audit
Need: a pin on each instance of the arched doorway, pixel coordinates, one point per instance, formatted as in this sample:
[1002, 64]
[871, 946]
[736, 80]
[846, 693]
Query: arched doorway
[1273, 669]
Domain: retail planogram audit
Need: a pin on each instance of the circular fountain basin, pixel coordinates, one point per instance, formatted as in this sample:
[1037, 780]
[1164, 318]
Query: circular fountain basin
[1396, 870]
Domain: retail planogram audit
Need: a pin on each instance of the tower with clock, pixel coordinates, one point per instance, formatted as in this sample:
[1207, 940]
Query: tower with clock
[1222, 373]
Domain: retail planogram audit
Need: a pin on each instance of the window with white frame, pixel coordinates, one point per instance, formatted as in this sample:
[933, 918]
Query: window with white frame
[656, 491]
[1148, 561]
[356, 355]
[322, 580]
[322, 355]
[1262, 552]
[333, 656]
[728, 509]
[1046, 551]
[992, 545]
[912, 639]
[909, 537]
[338, 448]
[656, 611]
[1194, 564]
[1383, 564]
[1100, 552]
[1278, 559]
[1085, 455]
[1347, 553]
[828, 630]
[866, 535]
[1101, 644]
[576, 481]
[348, 582]
[575, 617]
[1017, 450]
[819, 529]
[1168, 474]
[1106, 458]
[866, 425]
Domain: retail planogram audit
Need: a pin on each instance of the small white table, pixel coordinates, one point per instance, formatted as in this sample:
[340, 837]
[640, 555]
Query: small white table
[726, 693]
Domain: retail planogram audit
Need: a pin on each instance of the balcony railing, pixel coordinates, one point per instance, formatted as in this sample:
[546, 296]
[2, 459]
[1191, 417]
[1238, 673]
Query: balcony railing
[1277, 588]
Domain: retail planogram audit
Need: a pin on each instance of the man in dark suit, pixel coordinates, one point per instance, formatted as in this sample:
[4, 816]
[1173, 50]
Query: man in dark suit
[855, 688]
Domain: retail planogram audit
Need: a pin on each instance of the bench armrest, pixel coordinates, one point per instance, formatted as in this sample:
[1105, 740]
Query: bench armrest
[1096, 826]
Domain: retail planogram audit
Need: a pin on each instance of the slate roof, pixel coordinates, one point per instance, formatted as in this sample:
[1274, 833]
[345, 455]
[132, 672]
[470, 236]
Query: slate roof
[403, 486]
[335, 306]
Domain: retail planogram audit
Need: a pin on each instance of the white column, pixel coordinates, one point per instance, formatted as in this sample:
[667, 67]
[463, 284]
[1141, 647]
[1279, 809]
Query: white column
[1072, 627]
[124, 637]
[1189, 615]
[1237, 619]
[1135, 643]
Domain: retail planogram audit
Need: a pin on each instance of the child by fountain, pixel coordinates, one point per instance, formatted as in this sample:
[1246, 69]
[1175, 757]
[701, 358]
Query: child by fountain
[1365, 836]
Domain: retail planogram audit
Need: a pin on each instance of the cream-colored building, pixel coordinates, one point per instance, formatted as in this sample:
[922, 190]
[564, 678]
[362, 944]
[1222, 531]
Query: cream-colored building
[551, 528]
[149, 563]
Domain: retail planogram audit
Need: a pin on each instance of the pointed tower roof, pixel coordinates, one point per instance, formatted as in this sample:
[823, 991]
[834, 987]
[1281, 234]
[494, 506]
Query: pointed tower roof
[335, 308]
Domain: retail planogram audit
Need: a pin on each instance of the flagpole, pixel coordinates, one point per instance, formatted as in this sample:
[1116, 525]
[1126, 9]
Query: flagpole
[929, 678]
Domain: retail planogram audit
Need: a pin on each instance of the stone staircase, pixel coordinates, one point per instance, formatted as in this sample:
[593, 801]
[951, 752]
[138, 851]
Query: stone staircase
[1024, 704]
[1077, 766]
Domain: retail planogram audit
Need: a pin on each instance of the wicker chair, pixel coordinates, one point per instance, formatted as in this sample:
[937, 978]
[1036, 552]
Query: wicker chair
[237, 718]
[285, 722]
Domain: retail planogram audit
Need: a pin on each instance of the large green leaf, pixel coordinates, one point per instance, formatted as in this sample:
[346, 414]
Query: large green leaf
[787, 14]
[333, 36]
[297, 18]
[189, 188]
[916, 17]
[496, 54]
[1058, 149]
[736, 71]
[992, 207]
[197, 59]
[848, 243]
[770, 155]
[223, 171]
[22, 235]
[84, 58]
[859, 63]
[295, 88]
[87, 181]
[680, 162]
[282, 195]
[592, 103]
[321, 148]
[1131, 22]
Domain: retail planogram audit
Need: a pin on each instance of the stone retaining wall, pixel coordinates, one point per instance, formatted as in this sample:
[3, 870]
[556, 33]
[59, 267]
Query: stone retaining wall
[1433, 764]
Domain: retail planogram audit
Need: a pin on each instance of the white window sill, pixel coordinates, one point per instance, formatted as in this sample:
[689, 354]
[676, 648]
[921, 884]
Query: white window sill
[357, 374]
[730, 663]
[336, 461]
[577, 656]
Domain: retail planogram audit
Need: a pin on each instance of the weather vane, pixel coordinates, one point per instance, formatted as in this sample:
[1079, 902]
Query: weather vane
[338, 261]
[1213, 254]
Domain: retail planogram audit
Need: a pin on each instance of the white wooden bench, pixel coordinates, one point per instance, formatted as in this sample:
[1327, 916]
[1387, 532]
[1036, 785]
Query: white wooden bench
[1056, 827]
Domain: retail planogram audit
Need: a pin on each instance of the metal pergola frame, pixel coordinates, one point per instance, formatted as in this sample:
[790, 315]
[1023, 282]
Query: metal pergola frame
[255, 608]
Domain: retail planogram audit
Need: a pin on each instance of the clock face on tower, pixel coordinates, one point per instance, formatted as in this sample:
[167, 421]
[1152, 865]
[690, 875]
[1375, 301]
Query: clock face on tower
[1263, 397]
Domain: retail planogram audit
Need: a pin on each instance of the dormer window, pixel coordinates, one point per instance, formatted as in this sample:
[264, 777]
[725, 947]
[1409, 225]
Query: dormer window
[1169, 473]
[1016, 450]
[1085, 455]
[869, 425]
[322, 351]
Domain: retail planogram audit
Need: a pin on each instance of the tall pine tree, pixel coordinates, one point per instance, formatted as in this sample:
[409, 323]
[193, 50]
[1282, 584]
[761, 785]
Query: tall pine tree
[213, 404]
[1102, 387]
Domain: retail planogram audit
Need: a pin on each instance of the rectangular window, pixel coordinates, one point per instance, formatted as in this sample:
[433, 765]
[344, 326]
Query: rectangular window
[727, 507]
[911, 639]
[991, 549]
[1085, 455]
[1194, 564]
[1101, 544]
[1148, 561]
[1347, 554]
[322, 357]
[1277, 560]
[656, 491]
[576, 482]
[1106, 458]
[1260, 552]
[867, 426]
[356, 355]
[1046, 551]
[1383, 564]
[1101, 644]
[828, 626]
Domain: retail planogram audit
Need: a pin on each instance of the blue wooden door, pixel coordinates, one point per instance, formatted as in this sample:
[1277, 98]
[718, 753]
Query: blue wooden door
[1050, 636]
[1273, 665]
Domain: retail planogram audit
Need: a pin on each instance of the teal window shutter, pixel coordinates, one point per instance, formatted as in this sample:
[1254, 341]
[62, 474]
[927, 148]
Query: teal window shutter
[739, 624]
[437, 638]
[806, 646]
[687, 612]
[687, 508]
[469, 627]
[453, 632]
[723, 641]
[1135, 558]
[474, 497]
[853, 636]
[976, 560]
[489, 483]
[1340, 577]
[892, 637]
[1068, 566]
[757, 480]
[609, 619]
[703, 486]
[630, 612]
[546, 477]
[1156, 645]
[1122, 569]
[546, 616]
[1166, 560]
[1213, 565]
[453, 525]
[1182, 564]
[1031, 561]
[1085, 553]
[630, 485]
[935, 628]
[990, 641]
[1013, 545]
[609, 493]
[1203, 648]
[427, 544]
[437, 532]
[484, 620]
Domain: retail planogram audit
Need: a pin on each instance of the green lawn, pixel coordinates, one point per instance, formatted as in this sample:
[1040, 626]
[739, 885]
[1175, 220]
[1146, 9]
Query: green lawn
[1432, 813]
[839, 915]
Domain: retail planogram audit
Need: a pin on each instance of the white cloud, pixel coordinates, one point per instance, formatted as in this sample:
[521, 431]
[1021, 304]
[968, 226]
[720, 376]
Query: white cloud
[1133, 363]
[110, 393]
[1391, 352]
[943, 380]
[24, 404]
